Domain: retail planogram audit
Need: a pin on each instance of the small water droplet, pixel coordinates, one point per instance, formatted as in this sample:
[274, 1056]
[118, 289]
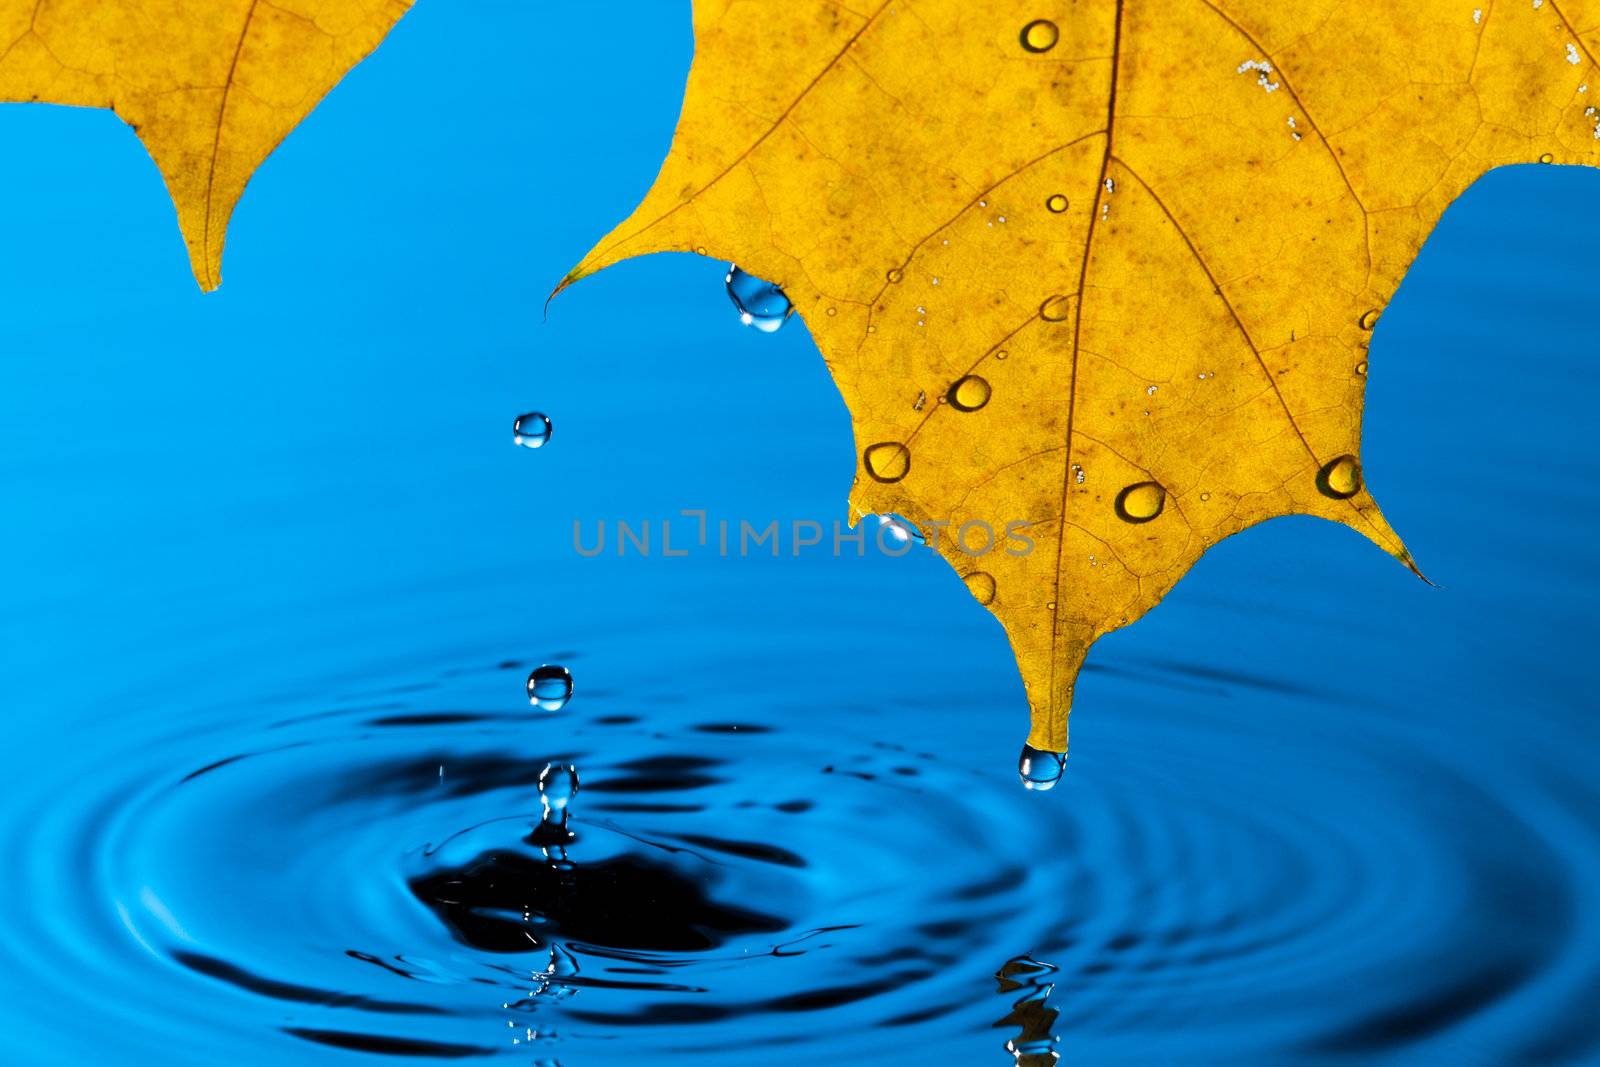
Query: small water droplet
[1002, 354]
[969, 393]
[1077, 474]
[922, 397]
[1057, 203]
[1051, 605]
[1361, 368]
[531, 430]
[1040, 35]
[887, 461]
[557, 787]
[1140, 502]
[832, 312]
[895, 275]
[1340, 478]
[981, 585]
[1369, 319]
[1040, 770]
[1205, 496]
[550, 687]
[902, 529]
[1150, 390]
[700, 250]
[1547, 158]
[761, 304]
[1056, 309]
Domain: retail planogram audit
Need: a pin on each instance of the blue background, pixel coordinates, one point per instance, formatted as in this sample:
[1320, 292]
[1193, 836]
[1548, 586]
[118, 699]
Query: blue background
[220, 509]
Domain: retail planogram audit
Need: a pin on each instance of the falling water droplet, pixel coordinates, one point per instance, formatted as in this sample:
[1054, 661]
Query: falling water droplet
[1370, 319]
[761, 304]
[531, 430]
[1040, 35]
[902, 529]
[981, 586]
[1340, 478]
[969, 393]
[558, 784]
[887, 461]
[549, 687]
[1040, 770]
[1141, 502]
[1056, 309]
[1057, 203]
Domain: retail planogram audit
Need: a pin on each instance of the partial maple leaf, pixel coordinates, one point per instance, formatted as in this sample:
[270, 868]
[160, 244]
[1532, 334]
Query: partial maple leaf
[1137, 248]
[211, 88]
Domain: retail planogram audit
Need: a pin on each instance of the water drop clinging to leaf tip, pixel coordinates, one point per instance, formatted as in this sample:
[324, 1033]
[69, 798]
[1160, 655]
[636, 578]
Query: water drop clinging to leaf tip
[761, 304]
[1040, 770]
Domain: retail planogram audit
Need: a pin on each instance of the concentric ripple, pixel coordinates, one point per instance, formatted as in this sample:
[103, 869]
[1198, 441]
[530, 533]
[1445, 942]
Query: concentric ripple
[363, 874]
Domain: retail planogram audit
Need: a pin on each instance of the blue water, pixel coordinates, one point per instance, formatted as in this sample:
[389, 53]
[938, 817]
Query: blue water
[275, 575]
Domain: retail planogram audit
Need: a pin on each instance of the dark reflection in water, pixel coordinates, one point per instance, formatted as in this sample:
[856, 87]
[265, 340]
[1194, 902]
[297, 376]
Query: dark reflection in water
[1031, 1015]
[511, 902]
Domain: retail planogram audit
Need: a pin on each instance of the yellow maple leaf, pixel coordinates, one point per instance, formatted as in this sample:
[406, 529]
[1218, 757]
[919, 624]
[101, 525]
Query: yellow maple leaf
[1136, 248]
[210, 87]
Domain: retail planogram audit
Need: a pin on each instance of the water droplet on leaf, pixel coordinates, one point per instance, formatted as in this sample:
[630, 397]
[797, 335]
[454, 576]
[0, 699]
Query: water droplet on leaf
[1040, 35]
[1141, 502]
[887, 461]
[981, 586]
[1370, 319]
[895, 275]
[549, 687]
[531, 430]
[969, 393]
[761, 304]
[1057, 203]
[1340, 478]
[1056, 309]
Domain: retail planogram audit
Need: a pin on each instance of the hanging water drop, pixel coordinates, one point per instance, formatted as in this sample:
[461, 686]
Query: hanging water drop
[1140, 502]
[887, 461]
[762, 305]
[549, 687]
[1340, 478]
[531, 430]
[902, 529]
[1040, 770]
[969, 393]
[1040, 35]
